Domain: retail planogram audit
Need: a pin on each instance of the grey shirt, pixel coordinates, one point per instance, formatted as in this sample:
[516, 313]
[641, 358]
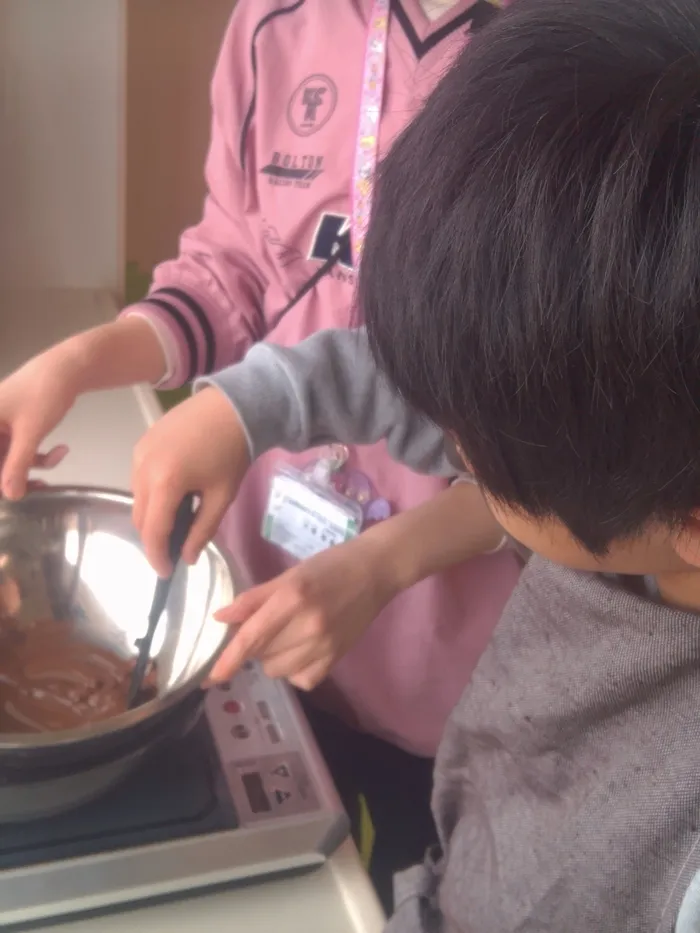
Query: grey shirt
[567, 783]
[327, 388]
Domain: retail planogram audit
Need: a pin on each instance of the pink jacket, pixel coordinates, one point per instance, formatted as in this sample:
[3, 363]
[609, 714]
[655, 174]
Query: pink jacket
[285, 98]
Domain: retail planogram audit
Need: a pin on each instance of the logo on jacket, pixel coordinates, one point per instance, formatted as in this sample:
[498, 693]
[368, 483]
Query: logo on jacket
[287, 169]
[284, 254]
[312, 104]
[329, 239]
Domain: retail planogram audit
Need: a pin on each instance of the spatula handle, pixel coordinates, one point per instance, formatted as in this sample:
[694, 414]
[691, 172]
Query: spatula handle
[184, 517]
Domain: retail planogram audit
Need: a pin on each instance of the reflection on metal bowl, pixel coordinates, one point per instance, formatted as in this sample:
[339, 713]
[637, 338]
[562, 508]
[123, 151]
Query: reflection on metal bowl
[71, 557]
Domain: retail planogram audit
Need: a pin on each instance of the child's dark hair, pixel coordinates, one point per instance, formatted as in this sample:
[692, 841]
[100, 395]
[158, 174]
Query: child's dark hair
[531, 277]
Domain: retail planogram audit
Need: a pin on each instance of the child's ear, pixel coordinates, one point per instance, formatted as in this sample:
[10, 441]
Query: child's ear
[686, 541]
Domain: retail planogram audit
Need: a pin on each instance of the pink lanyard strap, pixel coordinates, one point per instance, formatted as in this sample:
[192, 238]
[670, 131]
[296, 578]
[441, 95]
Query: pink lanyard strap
[368, 131]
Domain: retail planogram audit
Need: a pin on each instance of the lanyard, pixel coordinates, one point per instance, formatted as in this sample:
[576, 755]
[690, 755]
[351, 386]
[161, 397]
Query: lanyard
[367, 145]
[365, 150]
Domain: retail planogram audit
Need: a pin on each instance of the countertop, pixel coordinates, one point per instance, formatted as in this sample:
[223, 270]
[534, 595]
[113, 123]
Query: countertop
[101, 432]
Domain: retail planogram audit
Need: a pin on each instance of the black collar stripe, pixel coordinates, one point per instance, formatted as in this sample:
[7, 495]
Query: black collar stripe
[477, 16]
[283, 11]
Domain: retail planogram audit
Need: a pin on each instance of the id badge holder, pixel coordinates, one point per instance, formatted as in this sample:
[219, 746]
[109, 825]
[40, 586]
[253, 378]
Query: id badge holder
[306, 515]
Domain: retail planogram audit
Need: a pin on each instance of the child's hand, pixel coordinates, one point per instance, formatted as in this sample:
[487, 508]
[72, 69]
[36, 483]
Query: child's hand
[33, 400]
[41, 461]
[198, 447]
[301, 623]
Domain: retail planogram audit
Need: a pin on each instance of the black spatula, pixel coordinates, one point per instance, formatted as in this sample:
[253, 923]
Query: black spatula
[181, 528]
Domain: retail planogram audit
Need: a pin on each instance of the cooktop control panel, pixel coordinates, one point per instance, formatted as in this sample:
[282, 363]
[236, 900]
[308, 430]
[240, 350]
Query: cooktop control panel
[261, 748]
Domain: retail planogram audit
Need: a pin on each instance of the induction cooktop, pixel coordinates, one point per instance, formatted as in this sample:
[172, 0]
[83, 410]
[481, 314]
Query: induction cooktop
[244, 794]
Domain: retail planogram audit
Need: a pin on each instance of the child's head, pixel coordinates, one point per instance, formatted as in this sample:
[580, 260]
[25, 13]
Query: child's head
[531, 278]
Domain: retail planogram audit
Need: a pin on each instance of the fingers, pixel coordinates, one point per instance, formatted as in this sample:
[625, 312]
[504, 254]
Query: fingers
[47, 461]
[292, 665]
[210, 513]
[41, 461]
[156, 520]
[305, 642]
[253, 636]
[139, 507]
[154, 516]
[301, 666]
[24, 441]
[310, 677]
[243, 607]
[291, 641]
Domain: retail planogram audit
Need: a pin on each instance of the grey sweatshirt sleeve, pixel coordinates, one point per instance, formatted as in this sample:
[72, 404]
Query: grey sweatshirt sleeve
[328, 389]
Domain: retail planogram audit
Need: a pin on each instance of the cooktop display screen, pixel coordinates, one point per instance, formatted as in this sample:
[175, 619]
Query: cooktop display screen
[178, 792]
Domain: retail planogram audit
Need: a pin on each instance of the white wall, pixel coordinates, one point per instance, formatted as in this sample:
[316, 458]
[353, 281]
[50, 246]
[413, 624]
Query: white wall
[61, 142]
[104, 125]
[172, 49]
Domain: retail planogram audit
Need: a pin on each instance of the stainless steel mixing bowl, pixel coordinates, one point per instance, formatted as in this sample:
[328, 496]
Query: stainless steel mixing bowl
[73, 554]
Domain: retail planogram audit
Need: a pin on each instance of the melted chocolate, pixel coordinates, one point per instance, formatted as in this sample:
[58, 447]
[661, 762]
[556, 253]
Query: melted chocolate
[50, 679]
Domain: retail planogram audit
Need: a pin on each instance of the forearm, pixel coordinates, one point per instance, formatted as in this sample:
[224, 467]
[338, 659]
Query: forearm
[328, 389]
[122, 352]
[449, 529]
